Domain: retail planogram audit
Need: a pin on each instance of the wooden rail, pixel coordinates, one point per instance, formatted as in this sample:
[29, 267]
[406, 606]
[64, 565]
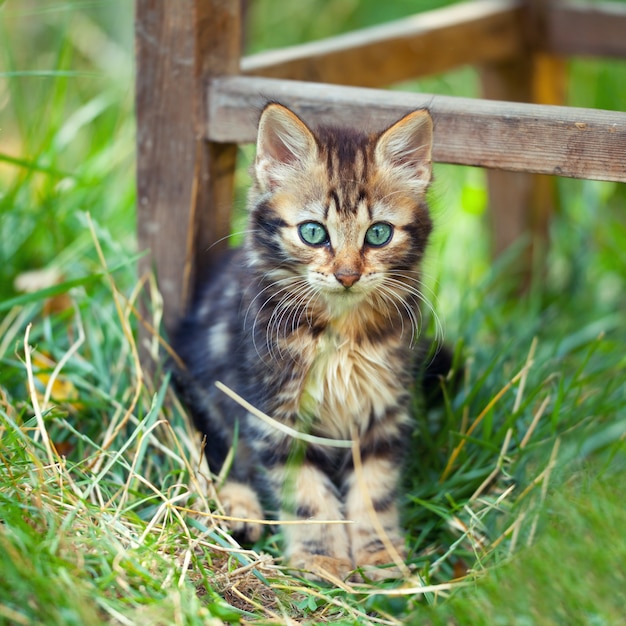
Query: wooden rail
[566, 141]
[597, 29]
[470, 33]
[423, 44]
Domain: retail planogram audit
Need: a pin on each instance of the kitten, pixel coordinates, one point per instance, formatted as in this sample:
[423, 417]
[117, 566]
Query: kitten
[314, 322]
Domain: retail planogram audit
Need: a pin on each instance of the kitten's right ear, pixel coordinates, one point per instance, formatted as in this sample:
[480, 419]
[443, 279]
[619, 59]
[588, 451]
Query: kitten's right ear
[284, 143]
[405, 148]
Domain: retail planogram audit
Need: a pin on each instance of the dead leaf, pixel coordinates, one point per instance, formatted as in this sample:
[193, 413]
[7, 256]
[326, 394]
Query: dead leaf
[63, 390]
[35, 280]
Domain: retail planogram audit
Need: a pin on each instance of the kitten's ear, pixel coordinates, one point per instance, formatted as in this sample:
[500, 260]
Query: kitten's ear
[284, 143]
[406, 148]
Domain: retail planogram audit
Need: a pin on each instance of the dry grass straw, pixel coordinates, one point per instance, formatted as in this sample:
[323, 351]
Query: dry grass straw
[520, 377]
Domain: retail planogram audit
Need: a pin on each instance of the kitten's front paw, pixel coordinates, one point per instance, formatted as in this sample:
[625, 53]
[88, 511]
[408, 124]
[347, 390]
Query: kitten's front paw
[376, 572]
[319, 567]
[240, 501]
[381, 564]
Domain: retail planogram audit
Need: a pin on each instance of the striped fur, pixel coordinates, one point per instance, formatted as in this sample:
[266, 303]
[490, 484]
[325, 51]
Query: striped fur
[319, 335]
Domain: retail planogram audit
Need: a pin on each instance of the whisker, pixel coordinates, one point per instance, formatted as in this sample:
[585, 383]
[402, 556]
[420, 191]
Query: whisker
[271, 285]
[230, 236]
[307, 310]
[412, 313]
[287, 306]
[439, 332]
[274, 323]
[284, 284]
[397, 282]
[291, 305]
[388, 296]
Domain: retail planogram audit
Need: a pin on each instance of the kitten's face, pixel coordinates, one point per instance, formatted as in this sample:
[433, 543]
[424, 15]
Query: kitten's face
[340, 215]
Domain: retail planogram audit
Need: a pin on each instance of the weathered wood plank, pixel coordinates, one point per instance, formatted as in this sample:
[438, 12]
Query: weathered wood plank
[427, 43]
[510, 192]
[522, 202]
[182, 204]
[470, 33]
[164, 53]
[595, 29]
[573, 142]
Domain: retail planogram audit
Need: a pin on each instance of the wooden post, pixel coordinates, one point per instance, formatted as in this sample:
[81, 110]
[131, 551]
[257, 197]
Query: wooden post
[184, 183]
[521, 203]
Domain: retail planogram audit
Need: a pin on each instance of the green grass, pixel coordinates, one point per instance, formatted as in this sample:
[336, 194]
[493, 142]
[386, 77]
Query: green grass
[514, 496]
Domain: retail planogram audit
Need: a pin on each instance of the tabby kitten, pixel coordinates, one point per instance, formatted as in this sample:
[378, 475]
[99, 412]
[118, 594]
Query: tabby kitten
[314, 321]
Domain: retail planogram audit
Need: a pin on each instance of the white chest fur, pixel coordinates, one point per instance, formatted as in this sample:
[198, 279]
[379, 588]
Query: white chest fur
[347, 384]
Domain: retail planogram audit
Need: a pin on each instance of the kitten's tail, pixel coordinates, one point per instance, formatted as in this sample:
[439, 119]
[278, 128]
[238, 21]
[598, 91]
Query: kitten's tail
[435, 370]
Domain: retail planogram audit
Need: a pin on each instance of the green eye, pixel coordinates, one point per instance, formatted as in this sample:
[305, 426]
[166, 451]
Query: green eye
[379, 234]
[313, 233]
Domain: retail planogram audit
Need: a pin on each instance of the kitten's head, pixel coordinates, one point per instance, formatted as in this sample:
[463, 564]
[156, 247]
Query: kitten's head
[339, 213]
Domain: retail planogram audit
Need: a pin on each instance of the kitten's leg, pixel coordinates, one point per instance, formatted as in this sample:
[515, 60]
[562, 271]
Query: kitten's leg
[375, 535]
[318, 549]
[241, 501]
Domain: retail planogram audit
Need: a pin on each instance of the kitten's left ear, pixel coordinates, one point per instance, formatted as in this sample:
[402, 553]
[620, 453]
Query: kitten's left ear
[406, 147]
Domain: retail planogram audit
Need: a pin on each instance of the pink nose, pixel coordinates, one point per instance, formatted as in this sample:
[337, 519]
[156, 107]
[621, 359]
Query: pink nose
[347, 279]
